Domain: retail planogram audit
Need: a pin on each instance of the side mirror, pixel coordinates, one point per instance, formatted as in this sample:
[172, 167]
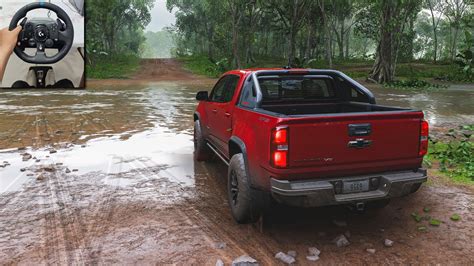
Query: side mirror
[202, 96]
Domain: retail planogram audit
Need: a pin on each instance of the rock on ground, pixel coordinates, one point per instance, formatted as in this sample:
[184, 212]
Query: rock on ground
[371, 250]
[312, 258]
[219, 262]
[244, 260]
[341, 241]
[26, 157]
[388, 243]
[292, 253]
[313, 251]
[285, 258]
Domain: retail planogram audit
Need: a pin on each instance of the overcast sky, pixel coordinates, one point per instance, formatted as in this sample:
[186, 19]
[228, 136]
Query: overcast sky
[160, 17]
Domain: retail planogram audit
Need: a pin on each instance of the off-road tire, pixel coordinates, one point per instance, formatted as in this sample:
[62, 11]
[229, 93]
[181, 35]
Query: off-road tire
[201, 150]
[246, 203]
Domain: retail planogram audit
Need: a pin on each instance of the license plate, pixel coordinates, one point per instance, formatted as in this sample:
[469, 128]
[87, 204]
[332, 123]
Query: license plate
[355, 186]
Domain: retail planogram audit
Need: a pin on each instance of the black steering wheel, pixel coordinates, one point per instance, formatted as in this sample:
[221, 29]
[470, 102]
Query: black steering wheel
[43, 33]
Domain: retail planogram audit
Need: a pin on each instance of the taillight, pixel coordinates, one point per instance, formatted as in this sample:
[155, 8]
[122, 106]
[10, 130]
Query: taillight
[279, 147]
[424, 132]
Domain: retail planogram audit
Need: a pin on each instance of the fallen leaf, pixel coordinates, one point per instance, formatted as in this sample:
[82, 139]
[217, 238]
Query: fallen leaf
[455, 217]
[416, 217]
[435, 222]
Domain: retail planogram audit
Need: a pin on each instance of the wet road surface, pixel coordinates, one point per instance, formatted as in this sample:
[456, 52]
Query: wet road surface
[112, 180]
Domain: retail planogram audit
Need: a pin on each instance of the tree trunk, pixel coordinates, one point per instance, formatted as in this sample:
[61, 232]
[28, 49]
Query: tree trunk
[435, 34]
[235, 35]
[293, 32]
[341, 39]
[327, 33]
[383, 69]
[348, 38]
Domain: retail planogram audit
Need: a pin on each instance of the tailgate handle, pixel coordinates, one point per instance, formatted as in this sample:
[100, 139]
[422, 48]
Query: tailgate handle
[359, 130]
[359, 143]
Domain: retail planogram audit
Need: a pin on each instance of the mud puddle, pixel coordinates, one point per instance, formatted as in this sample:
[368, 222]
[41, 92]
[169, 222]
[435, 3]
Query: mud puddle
[138, 197]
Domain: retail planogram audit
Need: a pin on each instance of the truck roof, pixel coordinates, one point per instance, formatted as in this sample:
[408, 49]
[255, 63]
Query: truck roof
[250, 70]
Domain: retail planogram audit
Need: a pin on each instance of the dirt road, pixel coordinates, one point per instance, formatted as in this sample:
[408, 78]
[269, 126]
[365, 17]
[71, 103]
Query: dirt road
[111, 179]
[156, 70]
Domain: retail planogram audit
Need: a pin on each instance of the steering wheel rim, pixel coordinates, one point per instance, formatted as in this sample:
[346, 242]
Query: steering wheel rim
[66, 36]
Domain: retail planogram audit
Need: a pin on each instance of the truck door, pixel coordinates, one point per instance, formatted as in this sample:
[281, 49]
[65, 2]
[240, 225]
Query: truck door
[219, 111]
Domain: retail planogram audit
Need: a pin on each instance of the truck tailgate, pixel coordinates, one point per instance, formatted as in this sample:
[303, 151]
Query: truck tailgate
[327, 141]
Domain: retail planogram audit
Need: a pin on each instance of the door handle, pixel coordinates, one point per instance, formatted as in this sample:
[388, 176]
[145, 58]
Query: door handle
[214, 111]
[227, 114]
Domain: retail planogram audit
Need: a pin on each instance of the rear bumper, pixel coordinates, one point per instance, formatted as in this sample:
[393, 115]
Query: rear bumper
[312, 193]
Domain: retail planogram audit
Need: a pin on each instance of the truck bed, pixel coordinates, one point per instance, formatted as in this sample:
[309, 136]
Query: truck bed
[327, 108]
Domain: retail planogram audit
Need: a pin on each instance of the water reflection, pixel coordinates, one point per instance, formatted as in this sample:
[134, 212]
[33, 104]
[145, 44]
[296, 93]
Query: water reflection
[135, 134]
[442, 107]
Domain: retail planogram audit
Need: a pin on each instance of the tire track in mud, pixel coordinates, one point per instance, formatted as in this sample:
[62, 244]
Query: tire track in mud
[64, 220]
[77, 240]
[213, 228]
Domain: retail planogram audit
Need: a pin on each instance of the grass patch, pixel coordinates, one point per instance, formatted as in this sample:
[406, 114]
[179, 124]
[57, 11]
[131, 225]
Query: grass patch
[112, 66]
[201, 65]
[455, 155]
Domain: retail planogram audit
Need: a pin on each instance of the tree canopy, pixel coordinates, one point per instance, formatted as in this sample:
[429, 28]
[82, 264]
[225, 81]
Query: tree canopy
[239, 32]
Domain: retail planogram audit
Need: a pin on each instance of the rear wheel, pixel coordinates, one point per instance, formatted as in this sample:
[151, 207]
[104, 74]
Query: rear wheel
[247, 204]
[201, 150]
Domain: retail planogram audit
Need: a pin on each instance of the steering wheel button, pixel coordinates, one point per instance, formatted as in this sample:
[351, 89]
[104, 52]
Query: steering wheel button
[31, 42]
[41, 33]
[49, 43]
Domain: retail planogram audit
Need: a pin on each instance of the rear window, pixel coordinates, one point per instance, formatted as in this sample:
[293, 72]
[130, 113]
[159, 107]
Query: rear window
[274, 89]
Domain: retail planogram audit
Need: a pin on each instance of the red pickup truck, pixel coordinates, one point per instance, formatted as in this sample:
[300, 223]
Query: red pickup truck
[306, 137]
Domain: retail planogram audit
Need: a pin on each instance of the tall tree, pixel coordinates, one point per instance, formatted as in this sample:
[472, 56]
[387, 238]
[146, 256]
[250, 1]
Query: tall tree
[455, 11]
[393, 17]
[436, 8]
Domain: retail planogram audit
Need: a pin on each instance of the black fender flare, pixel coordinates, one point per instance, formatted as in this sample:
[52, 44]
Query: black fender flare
[197, 116]
[243, 150]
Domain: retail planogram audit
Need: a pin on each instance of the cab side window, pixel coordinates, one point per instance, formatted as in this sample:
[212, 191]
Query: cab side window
[224, 89]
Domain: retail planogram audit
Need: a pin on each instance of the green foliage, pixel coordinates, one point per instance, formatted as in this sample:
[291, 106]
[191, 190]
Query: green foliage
[116, 26]
[201, 65]
[261, 33]
[118, 66]
[413, 84]
[466, 57]
[456, 155]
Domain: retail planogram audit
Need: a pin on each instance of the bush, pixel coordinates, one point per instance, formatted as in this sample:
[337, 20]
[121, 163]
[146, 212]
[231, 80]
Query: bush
[201, 65]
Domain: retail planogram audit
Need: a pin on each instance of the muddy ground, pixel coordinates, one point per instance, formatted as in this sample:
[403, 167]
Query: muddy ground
[111, 179]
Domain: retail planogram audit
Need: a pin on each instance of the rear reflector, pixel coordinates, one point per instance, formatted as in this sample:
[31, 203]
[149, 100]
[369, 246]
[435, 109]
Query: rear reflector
[280, 159]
